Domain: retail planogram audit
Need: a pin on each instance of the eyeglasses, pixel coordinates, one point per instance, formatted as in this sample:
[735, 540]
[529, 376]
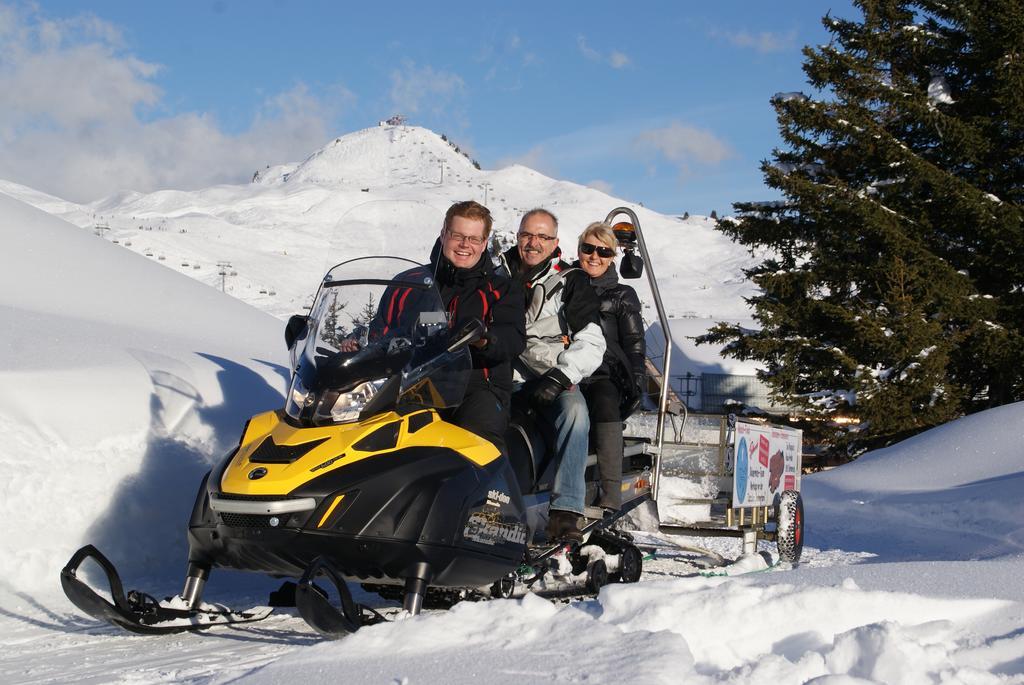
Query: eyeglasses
[525, 237]
[461, 238]
[606, 252]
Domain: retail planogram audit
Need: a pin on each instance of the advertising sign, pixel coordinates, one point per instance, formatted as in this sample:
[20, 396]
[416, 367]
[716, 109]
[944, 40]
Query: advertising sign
[766, 461]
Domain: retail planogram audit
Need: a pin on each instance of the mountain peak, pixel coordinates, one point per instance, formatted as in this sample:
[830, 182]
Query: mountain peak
[383, 154]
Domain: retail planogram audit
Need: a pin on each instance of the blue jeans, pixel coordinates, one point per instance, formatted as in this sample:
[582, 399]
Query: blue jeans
[571, 420]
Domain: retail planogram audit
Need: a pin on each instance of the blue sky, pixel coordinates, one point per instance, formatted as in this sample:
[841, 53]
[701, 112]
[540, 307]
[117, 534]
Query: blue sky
[664, 103]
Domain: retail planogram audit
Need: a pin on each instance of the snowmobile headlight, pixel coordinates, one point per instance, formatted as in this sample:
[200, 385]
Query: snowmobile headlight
[348, 405]
[298, 397]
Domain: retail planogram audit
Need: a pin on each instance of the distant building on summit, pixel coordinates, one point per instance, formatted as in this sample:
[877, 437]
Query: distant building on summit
[396, 120]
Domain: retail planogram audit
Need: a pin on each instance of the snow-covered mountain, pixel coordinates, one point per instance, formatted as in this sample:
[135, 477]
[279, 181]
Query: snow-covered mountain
[380, 190]
[383, 156]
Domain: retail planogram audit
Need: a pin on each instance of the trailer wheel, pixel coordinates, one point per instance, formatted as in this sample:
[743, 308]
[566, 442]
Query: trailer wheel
[631, 564]
[789, 521]
[597, 576]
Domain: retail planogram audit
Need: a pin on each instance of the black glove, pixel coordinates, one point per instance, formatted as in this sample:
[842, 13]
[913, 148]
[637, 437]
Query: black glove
[632, 397]
[544, 390]
[640, 383]
[484, 342]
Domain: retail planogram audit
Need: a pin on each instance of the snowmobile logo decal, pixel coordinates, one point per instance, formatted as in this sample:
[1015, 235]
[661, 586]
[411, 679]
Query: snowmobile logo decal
[489, 528]
[327, 463]
[495, 498]
[258, 473]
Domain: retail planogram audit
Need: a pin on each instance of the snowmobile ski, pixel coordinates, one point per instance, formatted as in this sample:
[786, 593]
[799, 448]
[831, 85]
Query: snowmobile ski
[322, 616]
[139, 612]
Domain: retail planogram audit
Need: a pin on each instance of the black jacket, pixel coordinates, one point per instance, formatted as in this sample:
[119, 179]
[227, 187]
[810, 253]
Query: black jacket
[478, 292]
[623, 327]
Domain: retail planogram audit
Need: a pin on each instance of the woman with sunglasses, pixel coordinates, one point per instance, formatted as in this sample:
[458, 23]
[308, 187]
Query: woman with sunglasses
[614, 390]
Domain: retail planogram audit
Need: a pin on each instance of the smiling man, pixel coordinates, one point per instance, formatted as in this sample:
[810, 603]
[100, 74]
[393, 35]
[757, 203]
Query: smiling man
[564, 345]
[471, 289]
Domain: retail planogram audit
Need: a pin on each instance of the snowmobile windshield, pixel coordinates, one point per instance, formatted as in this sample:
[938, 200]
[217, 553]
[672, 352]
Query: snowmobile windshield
[377, 338]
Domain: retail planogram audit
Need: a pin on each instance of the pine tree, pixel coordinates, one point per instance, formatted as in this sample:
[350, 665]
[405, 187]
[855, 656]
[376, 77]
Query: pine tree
[366, 314]
[332, 331]
[891, 277]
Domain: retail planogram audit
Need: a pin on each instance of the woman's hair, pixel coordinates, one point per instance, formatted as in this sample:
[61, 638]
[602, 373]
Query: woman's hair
[603, 232]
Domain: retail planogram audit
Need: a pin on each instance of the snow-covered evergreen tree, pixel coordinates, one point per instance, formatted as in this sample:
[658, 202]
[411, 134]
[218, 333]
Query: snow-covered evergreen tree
[895, 287]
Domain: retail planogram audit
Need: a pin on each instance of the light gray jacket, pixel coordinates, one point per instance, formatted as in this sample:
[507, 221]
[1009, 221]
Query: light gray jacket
[563, 327]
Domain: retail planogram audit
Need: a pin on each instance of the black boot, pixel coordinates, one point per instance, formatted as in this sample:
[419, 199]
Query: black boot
[563, 526]
[608, 441]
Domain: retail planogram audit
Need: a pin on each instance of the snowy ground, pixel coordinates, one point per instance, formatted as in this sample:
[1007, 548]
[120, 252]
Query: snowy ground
[121, 381]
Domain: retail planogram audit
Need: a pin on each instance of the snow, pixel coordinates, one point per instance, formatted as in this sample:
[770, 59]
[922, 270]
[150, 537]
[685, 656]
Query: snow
[122, 380]
[938, 91]
[787, 97]
[113, 367]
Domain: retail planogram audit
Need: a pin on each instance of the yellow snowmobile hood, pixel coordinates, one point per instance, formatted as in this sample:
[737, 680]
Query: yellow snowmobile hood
[275, 458]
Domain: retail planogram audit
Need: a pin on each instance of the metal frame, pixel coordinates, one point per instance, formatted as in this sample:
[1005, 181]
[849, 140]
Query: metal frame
[663, 319]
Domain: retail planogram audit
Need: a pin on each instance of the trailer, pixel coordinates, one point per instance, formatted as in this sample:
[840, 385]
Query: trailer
[713, 475]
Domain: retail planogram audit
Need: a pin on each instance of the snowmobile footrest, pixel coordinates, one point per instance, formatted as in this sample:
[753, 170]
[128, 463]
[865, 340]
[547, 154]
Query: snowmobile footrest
[541, 553]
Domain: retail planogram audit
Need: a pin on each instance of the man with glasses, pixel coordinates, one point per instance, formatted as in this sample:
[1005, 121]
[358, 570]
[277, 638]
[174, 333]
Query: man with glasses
[564, 345]
[471, 289]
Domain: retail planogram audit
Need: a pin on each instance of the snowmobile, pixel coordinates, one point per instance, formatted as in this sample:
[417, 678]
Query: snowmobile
[359, 478]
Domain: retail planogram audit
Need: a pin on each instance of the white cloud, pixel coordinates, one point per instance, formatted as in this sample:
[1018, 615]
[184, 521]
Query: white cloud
[81, 117]
[413, 87]
[763, 42]
[505, 55]
[587, 51]
[682, 145]
[616, 59]
[604, 186]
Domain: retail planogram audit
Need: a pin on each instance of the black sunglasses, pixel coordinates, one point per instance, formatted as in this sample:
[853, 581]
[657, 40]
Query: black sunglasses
[606, 252]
